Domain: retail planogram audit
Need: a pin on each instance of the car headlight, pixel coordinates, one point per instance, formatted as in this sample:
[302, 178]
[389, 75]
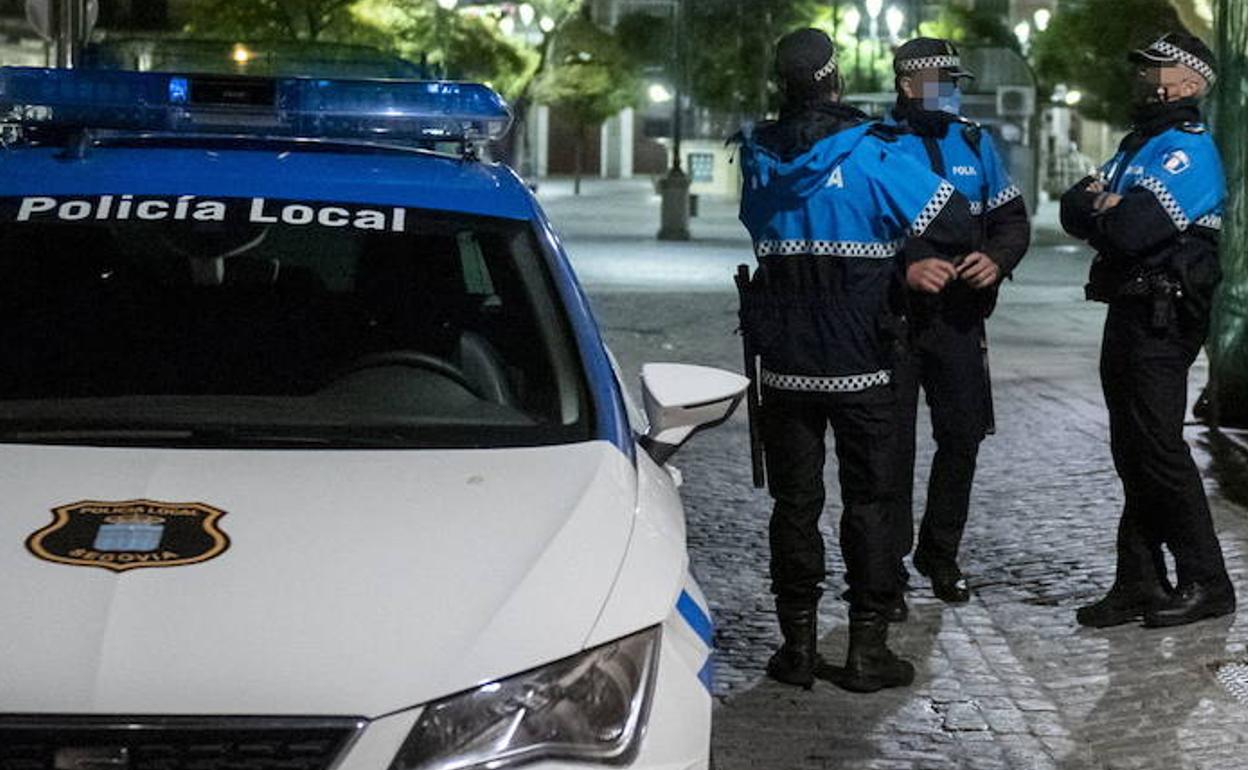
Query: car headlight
[591, 706]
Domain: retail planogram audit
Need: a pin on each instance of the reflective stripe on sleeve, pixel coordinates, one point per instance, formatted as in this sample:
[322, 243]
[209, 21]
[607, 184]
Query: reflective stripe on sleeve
[1167, 201]
[932, 209]
[1003, 197]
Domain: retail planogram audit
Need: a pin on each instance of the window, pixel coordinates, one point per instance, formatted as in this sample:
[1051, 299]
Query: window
[251, 322]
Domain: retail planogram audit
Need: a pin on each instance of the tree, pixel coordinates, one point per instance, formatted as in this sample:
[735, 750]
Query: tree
[729, 49]
[1086, 44]
[459, 46]
[274, 19]
[590, 77]
[971, 26]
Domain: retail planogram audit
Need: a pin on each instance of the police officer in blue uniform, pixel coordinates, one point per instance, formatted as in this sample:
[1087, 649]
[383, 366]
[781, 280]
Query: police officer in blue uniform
[1153, 213]
[949, 302]
[829, 202]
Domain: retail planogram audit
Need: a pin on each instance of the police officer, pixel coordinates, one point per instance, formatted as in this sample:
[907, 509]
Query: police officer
[1153, 213]
[949, 302]
[828, 202]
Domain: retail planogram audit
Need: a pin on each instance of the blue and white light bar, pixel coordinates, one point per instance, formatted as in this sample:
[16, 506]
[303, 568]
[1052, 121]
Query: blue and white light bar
[154, 102]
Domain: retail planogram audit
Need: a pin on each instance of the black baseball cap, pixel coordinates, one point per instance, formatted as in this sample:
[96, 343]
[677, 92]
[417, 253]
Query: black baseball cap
[1179, 48]
[805, 59]
[924, 53]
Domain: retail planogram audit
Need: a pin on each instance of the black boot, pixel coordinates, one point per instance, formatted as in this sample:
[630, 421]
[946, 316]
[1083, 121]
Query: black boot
[870, 665]
[1193, 602]
[948, 584]
[1123, 604]
[1140, 578]
[795, 661]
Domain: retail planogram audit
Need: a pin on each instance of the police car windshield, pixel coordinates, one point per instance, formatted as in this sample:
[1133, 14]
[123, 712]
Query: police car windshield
[243, 322]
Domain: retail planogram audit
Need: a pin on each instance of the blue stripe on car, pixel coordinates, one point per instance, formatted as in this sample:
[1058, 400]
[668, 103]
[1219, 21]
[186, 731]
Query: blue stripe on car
[707, 675]
[696, 617]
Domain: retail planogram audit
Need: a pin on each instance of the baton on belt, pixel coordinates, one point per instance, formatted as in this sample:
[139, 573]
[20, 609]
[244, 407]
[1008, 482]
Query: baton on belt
[990, 426]
[753, 397]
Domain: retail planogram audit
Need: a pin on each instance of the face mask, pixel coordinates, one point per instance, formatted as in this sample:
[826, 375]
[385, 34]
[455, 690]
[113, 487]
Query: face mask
[942, 97]
[1148, 89]
[1144, 92]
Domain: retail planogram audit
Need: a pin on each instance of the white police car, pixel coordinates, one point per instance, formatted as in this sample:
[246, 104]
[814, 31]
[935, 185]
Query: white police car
[310, 452]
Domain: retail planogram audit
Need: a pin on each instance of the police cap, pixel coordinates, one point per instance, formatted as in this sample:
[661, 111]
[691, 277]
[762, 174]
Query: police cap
[1179, 48]
[929, 53]
[805, 60]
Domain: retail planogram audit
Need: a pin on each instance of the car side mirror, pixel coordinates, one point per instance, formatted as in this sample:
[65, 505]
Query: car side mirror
[681, 399]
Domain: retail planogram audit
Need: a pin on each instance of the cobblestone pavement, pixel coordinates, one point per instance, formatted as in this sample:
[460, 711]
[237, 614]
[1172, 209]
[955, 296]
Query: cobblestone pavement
[1008, 680]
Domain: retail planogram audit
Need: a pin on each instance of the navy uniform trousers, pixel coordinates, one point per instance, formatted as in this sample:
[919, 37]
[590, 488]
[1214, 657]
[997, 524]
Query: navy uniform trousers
[1144, 377]
[794, 430]
[946, 359]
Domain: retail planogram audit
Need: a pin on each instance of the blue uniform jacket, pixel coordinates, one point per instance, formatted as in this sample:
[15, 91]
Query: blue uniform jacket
[827, 227]
[970, 162]
[967, 157]
[1182, 169]
[1167, 223]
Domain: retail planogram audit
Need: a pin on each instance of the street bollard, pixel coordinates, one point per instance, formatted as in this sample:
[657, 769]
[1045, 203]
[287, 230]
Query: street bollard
[674, 188]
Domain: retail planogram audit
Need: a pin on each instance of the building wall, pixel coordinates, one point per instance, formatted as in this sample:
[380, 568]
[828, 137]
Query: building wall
[562, 147]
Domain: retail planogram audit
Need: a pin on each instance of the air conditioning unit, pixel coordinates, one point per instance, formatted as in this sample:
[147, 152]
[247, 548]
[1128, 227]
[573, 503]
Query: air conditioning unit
[1016, 101]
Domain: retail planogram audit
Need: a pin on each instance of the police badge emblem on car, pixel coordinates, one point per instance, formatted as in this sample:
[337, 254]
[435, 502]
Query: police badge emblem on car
[127, 535]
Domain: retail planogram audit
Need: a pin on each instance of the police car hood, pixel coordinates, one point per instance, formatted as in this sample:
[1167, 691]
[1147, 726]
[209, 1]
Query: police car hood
[354, 582]
[805, 174]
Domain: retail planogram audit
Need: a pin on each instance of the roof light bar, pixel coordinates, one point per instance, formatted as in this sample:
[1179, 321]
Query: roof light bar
[379, 110]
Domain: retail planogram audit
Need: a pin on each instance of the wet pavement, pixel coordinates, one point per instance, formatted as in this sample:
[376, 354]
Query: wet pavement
[1008, 680]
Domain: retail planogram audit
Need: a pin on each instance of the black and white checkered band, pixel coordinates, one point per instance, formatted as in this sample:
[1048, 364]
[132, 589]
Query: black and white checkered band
[807, 383]
[826, 70]
[1172, 51]
[1167, 201]
[850, 249]
[929, 62]
[1210, 221]
[1003, 197]
[932, 209]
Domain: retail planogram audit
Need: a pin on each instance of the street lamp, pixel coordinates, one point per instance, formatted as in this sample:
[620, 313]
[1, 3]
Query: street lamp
[546, 25]
[1042, 18]
[894, 19]
[527, 14]
[873, 12]
[1022, 31]
[448, 5]
[853, 20]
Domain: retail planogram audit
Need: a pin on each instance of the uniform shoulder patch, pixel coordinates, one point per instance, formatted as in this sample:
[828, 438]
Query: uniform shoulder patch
[1176, 162]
